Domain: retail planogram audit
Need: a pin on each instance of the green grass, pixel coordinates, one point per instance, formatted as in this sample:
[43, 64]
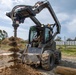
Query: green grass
[68, 50]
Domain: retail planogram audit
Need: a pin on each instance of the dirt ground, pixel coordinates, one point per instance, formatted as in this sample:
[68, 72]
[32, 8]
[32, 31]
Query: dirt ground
[22, 69]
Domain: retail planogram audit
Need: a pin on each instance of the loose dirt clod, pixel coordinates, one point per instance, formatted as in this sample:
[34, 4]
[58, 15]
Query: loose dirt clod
[20, 69]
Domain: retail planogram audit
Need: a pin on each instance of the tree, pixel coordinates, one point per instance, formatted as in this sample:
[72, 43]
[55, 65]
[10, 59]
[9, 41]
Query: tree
[0, 34]
[69, 39]
[58, 38]
[3, 35]
[75, 39]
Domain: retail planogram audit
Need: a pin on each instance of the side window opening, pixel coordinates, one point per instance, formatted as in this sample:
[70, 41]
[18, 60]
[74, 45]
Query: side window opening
[47, 34]
[33, 35]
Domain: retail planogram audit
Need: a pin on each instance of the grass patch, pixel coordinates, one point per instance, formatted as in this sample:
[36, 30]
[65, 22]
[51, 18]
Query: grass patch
[68, 50]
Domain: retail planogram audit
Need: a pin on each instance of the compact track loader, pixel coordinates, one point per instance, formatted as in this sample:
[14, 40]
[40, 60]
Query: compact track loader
[41, 48]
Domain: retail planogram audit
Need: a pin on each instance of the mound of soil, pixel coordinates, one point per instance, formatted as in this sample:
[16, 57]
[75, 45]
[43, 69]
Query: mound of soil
[7, 40]
[20, 69]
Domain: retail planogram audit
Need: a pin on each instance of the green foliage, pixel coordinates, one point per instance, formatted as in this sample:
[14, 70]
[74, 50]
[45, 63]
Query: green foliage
[69, 39]
[58, 38]
[3, 34]
[75, 39]
[68, 51]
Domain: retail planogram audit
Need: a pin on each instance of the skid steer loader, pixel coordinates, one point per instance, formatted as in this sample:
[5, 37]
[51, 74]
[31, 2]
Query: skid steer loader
[41, 48]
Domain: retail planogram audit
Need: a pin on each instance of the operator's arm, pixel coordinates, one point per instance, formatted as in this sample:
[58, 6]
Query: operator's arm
[37, 39]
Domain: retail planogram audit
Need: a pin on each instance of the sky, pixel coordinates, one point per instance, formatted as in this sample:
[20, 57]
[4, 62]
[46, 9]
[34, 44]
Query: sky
[65, 11]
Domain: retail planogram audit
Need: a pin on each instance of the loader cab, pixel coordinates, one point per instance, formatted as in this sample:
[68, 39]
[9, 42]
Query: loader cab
[48, 34]
[39, 35]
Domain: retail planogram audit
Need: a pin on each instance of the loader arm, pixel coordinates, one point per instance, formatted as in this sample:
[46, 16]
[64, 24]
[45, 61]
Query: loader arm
[20, 12]
[39, 6]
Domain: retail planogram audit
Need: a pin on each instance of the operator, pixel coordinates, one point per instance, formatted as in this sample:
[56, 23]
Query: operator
[38, 40]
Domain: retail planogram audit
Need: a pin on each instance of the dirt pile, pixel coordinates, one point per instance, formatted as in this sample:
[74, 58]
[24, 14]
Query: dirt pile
[7, 40]
[20, 69]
